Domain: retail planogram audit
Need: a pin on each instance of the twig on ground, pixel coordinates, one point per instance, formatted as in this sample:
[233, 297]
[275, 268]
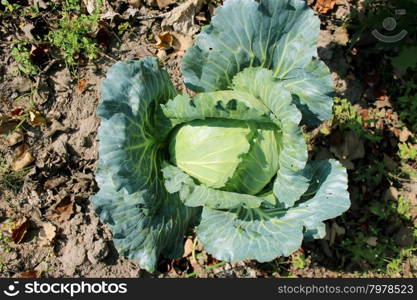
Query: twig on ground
[107, 55]
[143, 18]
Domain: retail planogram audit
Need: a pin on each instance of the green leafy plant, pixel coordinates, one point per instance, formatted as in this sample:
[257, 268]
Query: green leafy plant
[9, 7]
[347, 117]
[21, 55]
[72, 37]
[407, 103]
[231, 160]
[407, 151]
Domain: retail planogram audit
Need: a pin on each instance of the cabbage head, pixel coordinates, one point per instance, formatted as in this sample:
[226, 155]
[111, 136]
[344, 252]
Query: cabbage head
[231, 161]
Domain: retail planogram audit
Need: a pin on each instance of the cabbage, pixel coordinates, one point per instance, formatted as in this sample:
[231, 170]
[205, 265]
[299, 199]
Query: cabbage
[231, 161]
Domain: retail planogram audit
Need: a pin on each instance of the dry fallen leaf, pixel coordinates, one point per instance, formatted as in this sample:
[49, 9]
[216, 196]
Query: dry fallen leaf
[181, 42]
[35, 118]
[323, 6]
[23, 158]
[47, 234]
[81, 86]
[164, 3]
[135, 3]
[188, 247]
[27, 30]
[181, 18]
[341, 36]
[29, 274]
[7, 125]
[404, 135]
[164, 40]
[19, 229]
[62, 211]
[17, 112]
[372, 241]
[55, 182]
[14, 138]
[335, 231]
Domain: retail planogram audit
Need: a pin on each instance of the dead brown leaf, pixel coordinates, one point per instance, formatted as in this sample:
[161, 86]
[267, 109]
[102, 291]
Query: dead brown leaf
[81, 86]
[188, 247]
[341, 36]
[391, 194]
[29, 274]
[212, 9]
[335, 231]
[17, 112]
[23, 158]
[135, 3]
[54, 182]
[35, 118]
[164, 40]
[164, 3]
[62, 211]
[372, 241]
[181, 18]
[47, 234]
[27, 30]
[383, 102]
[14, 138]
[181, 42]
[323, 6]
[7, 125]
[19, 229]
[404, 135]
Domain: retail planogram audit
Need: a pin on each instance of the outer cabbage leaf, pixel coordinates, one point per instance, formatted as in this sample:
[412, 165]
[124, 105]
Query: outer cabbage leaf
[291, 182]
[219, 105]
[312, 85]
[195, 195]
[266, 233]
[280, 35]
[261, 234]
[328, 184]
[146, 220]
[317, 231]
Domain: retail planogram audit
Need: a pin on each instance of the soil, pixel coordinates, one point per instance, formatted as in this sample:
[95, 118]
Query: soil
[57, 188]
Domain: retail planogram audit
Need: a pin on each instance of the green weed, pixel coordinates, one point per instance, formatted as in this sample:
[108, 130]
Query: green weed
[347, 117]
[73, 33]
[299, 261]
[407, 151]
[9, 179]
[21, 54]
